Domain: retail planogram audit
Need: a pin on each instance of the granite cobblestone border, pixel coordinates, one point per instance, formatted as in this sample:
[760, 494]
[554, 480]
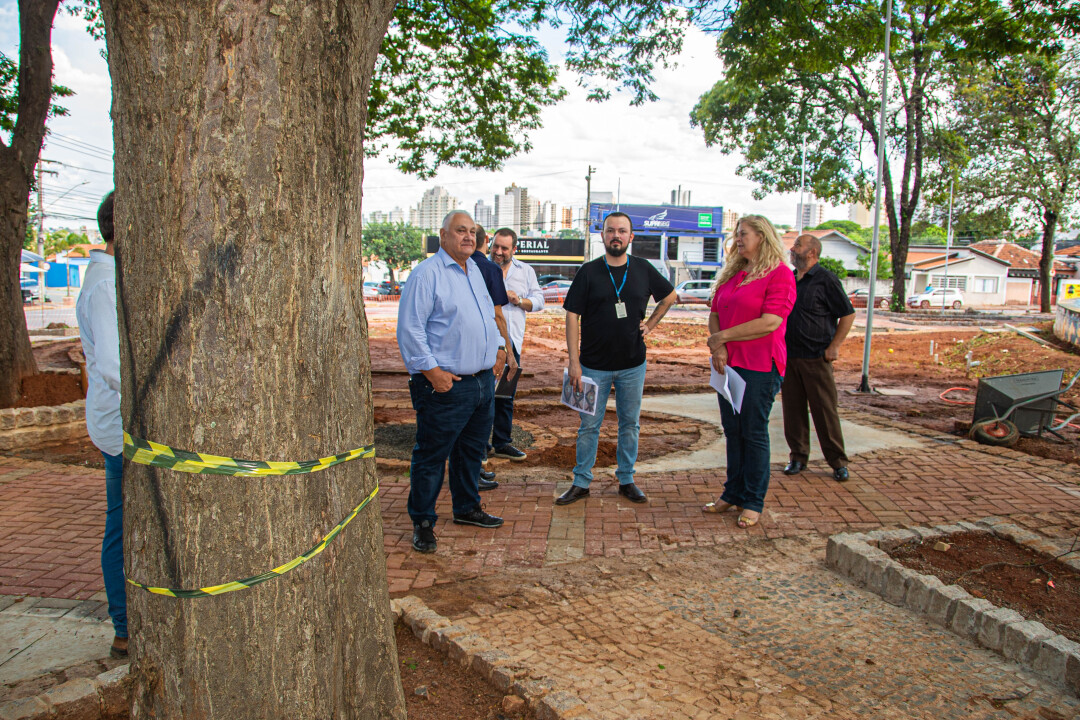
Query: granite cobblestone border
[105, 697]
[34, 426]
[863, 558]
[540, 694]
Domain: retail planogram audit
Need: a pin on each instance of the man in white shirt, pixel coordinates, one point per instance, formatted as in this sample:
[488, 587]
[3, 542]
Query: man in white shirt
[525, 296]
[96, 313]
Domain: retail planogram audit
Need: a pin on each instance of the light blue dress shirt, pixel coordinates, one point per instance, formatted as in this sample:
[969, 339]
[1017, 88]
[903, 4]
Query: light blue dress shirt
[446, 318]
[96, 313]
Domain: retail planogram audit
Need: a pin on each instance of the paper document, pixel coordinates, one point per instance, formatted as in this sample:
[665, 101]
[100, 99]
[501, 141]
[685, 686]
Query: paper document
[584, 401]
[730, 385]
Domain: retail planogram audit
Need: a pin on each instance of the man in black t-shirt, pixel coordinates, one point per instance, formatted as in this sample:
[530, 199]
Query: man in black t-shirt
[605, 338]
[818, 324]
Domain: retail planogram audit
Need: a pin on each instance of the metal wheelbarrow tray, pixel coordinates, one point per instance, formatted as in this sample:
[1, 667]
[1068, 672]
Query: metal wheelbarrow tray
[1008, 406]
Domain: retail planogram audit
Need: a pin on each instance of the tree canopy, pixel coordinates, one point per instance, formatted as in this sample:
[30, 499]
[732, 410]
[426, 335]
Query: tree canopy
[395, 245]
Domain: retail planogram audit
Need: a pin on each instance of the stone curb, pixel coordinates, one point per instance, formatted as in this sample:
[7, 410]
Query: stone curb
[469, 650]
[862, 557]
[106, 697]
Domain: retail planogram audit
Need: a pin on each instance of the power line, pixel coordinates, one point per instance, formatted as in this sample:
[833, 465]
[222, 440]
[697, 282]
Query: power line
[76, 141]
[76, 167]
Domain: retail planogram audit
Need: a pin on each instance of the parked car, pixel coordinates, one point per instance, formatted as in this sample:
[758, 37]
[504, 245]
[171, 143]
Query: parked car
[860, 297]
[546, 279]
[29, 289]
[694, 291]
[371, 290]
[390, 288]
[937, 298]
[555, 291]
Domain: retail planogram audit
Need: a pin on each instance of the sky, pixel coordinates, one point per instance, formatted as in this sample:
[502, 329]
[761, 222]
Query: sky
[639, 153]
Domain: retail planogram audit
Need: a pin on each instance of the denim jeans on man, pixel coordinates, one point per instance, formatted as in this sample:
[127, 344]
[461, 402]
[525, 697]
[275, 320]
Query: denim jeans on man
[452, 425]
[629, 385]
[504, 416]
[747, 438]
[112, 545]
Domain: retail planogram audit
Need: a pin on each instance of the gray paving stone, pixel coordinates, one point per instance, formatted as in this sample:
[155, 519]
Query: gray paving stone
[948, 529]
[889, 540]
[23, 709]
[1072, 673]
[88, 610]
[1015, 534]
[921, 590]
[943, 602]
[897, 581]
[6, 601]
[991, 625]
[1052, 656]
[965, 617]
[1021, 641]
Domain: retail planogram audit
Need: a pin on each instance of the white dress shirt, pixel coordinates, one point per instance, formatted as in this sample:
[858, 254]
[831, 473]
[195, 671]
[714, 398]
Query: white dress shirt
[521, 278]
[96, 313]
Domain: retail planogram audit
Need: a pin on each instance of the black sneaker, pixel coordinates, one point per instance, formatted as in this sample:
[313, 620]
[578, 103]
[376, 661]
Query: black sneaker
[509, 451]
[479, 518]
[423, 537]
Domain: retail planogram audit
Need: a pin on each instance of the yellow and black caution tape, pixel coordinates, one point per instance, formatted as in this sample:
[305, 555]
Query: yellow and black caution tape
[146, 452]
[157, 455]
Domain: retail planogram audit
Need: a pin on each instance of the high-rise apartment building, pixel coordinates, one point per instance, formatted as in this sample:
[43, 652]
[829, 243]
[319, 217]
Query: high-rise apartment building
[513, 210]
[434, 206]
[567, 218]
[484, 215]
[730, 219]
[859, 213]
[809, 214]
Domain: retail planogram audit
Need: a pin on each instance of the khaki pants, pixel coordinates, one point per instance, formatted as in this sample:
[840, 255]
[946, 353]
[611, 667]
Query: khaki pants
[810, 382]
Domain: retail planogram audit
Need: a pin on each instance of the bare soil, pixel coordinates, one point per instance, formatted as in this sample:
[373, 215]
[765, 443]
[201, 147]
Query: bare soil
[1004, 573]
[47, 388]
[438, 689]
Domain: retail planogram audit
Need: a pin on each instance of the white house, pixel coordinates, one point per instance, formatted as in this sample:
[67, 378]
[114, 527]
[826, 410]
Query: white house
[834, 244]
[979, 275]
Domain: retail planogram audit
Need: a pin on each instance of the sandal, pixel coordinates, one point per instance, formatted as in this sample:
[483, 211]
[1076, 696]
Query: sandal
[718, 507]
[748, 522]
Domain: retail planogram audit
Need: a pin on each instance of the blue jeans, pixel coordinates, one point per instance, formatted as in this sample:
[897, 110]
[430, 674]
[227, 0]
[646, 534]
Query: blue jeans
[112, 545]
[452, 425]
[504, 417]
[747, 436]
[629, 385]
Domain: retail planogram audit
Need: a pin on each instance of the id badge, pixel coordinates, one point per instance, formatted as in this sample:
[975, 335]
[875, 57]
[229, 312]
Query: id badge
[620, 310]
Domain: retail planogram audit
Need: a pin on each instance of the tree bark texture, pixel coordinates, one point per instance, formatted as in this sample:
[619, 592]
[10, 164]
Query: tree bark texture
[17, 162]
[1046, 260]
[238, 152]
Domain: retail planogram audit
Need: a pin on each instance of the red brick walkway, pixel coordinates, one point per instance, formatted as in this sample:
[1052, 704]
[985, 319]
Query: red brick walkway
[51, 516]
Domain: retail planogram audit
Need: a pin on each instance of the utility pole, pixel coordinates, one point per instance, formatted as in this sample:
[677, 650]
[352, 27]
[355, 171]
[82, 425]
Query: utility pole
[864, 385]
[948, 245]
[41, 234]
[588, 204]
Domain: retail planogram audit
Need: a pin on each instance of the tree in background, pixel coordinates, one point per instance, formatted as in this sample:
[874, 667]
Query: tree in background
[1019, 130]
[798, 70]
[395, 245]
[26, 93]
[884, 266]
[850, 229]
[836, 267]
[570, 234]
[56, 241]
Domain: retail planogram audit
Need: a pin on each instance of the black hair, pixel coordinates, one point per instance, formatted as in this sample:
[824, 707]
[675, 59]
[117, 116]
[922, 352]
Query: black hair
[105, 217]
[618, 214]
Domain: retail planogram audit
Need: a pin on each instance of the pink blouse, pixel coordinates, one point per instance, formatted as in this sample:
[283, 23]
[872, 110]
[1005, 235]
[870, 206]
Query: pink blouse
[773, 294]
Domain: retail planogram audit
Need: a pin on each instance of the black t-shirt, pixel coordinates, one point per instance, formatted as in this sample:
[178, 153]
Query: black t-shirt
[608, 342]
[493, 278]
[819, 302]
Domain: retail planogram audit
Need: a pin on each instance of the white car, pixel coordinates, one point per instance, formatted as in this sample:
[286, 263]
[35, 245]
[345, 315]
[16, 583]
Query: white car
[694, 291]
[937, 298]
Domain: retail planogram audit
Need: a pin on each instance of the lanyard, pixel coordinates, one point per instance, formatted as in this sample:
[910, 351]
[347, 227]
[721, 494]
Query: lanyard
[620, 286]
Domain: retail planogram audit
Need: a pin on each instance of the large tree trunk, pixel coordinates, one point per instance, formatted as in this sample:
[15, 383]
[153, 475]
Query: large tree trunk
[238, 154]
[1046, 261]
[17, 162]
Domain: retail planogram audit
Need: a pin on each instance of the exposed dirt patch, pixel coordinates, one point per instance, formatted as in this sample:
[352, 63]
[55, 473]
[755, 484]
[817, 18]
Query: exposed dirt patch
[438, 689]
[1013, 577]
[50, 389]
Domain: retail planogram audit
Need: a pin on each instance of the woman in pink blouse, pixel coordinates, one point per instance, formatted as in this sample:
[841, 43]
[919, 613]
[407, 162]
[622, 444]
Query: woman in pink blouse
[752, 299]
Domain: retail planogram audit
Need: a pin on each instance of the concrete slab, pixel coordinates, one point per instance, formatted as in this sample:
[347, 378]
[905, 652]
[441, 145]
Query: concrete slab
[31, 645]
[703, 407]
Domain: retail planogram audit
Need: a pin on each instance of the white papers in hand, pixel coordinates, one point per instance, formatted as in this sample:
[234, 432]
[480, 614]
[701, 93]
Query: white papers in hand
[584, 401]
[730, 385]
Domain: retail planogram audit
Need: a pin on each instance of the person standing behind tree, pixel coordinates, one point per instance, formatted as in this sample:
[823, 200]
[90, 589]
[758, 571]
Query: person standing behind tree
[605, 339]
[98, 331]
[752, 298]
[819, 322]
[525, 296]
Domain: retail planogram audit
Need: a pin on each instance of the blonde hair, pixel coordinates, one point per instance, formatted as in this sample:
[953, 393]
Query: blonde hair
[770, 253]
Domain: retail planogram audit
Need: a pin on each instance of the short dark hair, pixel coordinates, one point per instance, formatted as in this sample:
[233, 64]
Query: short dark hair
[105, 218]
[618, 214]
[507, 231]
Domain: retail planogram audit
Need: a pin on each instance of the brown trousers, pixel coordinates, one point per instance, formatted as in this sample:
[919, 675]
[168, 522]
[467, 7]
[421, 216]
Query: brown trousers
[810, 382]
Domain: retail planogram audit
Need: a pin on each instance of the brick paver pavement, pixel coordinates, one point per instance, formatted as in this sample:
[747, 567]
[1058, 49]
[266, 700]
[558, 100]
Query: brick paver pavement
[51, 516]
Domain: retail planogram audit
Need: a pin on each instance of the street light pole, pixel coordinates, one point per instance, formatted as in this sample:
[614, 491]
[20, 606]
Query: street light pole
[948, 246]
[588, 205]
[864, 385]
[802, 190]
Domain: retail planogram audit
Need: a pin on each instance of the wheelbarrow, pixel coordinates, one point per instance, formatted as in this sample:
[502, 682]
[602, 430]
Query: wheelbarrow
[1008, 406]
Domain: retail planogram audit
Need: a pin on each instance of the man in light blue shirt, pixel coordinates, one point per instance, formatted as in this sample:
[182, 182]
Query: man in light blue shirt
[449, 342]
[96, 314]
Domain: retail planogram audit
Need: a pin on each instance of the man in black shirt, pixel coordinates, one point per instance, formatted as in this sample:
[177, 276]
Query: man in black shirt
[605, 338]
[818, 324]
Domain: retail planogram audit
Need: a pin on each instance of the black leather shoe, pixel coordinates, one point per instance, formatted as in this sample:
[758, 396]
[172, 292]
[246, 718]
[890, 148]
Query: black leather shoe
[487, 474]
[423, 538]
[572, 495]
[486, 484]
[631, 492]
[794, 467]
[840, 474]
[508, 451]
[478, 518]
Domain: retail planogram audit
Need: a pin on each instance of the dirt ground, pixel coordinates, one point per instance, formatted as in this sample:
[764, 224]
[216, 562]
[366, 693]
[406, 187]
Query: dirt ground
[1004, 573]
